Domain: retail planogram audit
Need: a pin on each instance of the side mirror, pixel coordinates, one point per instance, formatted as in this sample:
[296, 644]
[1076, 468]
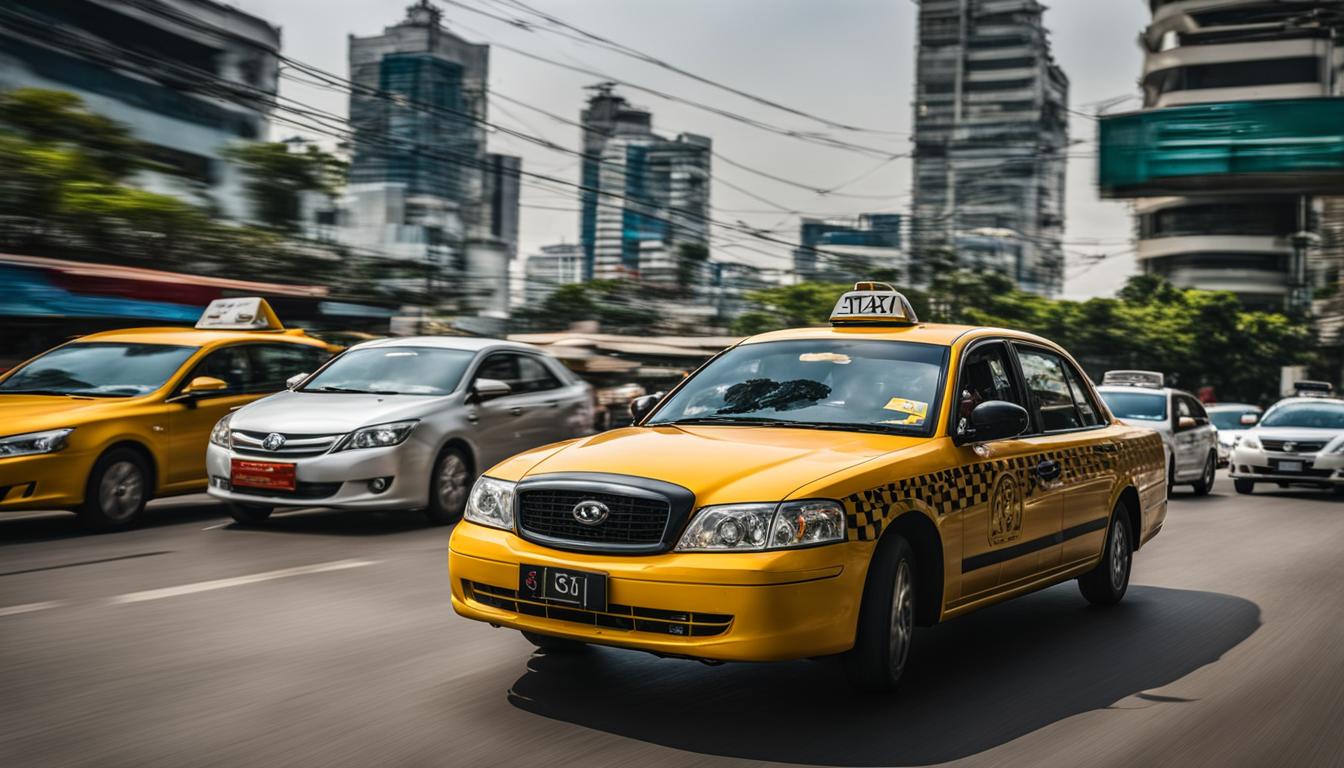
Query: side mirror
[1249, 419]
[1186, 422]
[640, 406]
[203, 384]
[995, 420]
[488, 389]
[295, 380]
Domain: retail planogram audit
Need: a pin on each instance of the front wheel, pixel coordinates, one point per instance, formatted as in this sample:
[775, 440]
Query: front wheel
[249, 514]
[1205, 482]
[1106, 584]
[886, 620]
[1243, 485]
[1171, 476]
[448, 488]
[117, 491]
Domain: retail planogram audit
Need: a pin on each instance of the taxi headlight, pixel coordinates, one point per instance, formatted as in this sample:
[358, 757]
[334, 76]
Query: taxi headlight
[1249, 441]
[491, 503]
[31, 443]
[757, 527]
[378, 435]
[221, 435]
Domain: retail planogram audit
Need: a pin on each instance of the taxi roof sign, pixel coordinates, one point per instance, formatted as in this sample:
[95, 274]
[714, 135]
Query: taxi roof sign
[1149, 379]
[872, 303]
[250, 313]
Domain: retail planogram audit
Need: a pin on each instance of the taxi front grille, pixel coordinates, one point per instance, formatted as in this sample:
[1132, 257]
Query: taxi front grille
[1298, 446]
[296, 446]
[630, 520]
[624, 617]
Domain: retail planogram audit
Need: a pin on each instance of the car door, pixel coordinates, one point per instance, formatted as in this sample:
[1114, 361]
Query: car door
[194, 416]
[274, 364]
[1005, 526]
[1090, 475]
[515, 422]
[1188, 444]
[566, 402]
[1205, 437]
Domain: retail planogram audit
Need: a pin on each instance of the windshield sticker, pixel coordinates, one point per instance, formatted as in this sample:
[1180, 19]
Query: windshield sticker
[824, 357]
[915, 410]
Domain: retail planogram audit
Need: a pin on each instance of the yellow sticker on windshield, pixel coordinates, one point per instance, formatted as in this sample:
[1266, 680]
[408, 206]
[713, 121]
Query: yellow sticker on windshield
[915, 411]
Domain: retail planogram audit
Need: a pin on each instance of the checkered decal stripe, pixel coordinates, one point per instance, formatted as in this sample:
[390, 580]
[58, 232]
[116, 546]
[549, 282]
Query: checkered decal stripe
[954, 489]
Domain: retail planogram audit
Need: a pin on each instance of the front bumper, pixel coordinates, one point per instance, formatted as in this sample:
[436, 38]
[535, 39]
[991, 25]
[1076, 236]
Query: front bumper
[45, 480]
[339, 480]
[1259, 464]
[760, 606]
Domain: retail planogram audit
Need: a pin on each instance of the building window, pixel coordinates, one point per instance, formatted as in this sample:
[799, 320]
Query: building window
[1237, 74]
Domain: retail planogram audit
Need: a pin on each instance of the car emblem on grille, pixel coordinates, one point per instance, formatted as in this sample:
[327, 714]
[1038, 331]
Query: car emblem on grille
[273, 442]
[590, 512]
[1290, 446]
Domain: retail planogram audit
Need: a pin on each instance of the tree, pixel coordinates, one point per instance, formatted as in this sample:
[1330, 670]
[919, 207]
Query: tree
[614, 304]
[276, 177]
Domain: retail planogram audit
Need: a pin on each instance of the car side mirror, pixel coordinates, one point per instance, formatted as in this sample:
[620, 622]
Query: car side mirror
[488, 389]
[204, 384]
[995, 420]
[295, 380]
[1186, 422]
[641, 406]
[1249, 419]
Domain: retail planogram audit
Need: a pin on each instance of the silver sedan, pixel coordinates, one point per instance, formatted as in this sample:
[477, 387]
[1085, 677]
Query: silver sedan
[395, 423]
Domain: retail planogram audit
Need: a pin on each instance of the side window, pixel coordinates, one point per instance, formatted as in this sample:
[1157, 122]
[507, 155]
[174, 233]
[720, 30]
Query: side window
[985, 375]
[1049, 388]
[1183, 408]
[1197, 408]
[1087, 408]
[274, 363]
[500, 366]
[534, 376]
[233, 365]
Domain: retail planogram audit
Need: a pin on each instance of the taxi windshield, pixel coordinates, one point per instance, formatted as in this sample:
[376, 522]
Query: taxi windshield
[857, 385]
[1144, 406]
[98, 369]
[1306, 415]
[393, 371]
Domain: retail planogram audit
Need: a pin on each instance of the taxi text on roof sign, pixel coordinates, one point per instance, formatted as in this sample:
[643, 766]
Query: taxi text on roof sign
[242, 314]
[1149, 379]
[873, 303]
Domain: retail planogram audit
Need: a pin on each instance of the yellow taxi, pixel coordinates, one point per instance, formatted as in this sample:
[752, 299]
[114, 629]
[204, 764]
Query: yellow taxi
[816, 492]
[104, 423]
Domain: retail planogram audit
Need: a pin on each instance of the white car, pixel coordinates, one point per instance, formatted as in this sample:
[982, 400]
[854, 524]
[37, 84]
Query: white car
[1189, 439]
[1231, 420]
[1299, 441]
[404, 423]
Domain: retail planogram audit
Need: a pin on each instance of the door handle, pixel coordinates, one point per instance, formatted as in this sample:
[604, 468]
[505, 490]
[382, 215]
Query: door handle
[516, 410]
[1104, 448]
[1048, 469]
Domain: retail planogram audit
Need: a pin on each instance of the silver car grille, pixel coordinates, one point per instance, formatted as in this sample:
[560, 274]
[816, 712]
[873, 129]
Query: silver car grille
[1292, 446]
[295, 445]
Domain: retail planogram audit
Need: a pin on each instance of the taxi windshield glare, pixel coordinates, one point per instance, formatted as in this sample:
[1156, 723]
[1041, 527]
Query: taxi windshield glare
[1144, 406]
[98, 369]
[816, 383]
[392, 371]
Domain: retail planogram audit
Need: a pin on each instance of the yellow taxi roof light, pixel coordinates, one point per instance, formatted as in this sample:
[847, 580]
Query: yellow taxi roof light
[873, 303]
[249, 313]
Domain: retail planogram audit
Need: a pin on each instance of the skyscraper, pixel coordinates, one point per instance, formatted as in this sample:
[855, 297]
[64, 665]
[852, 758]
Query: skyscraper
[991, 131]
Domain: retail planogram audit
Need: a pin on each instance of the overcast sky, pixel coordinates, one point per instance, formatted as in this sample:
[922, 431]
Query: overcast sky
[851, 61]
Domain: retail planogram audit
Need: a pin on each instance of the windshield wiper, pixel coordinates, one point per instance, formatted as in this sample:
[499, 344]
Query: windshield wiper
[758, 421]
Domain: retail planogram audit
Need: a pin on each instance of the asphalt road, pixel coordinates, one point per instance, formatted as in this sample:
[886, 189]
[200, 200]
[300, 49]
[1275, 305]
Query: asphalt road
[327, 640]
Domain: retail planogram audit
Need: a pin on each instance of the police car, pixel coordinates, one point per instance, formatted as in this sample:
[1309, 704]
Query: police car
[1189, 439]
[814, 492]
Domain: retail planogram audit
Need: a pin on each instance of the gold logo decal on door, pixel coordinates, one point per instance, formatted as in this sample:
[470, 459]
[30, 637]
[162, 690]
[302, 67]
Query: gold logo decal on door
[1005, 510]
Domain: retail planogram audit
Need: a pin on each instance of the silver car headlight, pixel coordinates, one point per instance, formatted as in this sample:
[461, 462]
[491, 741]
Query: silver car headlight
[378, 435]
[221, 435]
[758, 527]
[31, 443]
[1249, 441]
[491, 503]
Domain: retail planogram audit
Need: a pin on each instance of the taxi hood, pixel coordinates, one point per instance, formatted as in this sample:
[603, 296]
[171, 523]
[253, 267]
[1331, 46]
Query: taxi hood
[35, 413]
[720, 464]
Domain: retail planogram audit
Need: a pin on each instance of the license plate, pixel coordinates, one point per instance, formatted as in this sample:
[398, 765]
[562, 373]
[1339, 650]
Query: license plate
[269, 475]
[582, 589]
[1290, 466]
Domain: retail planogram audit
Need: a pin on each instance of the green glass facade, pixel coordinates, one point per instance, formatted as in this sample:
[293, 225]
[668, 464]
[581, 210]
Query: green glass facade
[1290, 142]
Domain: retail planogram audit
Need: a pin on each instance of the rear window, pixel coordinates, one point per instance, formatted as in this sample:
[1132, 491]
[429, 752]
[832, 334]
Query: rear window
[1144, 406]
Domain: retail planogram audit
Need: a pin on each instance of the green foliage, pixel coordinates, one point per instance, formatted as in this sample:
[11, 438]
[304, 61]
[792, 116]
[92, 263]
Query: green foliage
[1196, 337]
[614, 304]
[55, 119]
[276, 176]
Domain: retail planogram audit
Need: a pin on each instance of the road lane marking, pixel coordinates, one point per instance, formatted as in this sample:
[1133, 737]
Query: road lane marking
[221, 525]
[14, 610]
[237, 581]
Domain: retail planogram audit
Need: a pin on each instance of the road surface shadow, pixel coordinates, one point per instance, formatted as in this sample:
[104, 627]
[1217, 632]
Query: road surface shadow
[976, 682]
[51, 526]
[337, 522]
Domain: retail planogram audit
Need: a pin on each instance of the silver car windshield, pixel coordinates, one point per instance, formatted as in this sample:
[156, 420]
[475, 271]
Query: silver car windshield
[393, 371]
[884, 386]
[98, 369]
[1137, 405]
[1306, 415]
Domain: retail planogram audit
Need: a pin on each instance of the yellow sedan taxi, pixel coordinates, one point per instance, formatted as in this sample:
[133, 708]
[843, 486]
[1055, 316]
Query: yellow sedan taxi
[103, 423]
[815, 492]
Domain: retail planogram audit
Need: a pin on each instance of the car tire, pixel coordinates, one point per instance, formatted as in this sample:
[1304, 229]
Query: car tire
[552, 644]
[1171, 476]
[1205, 482]
[1107, 583]
[886, 626]
[449, 484]
[249, 514]
[1243, 485]
[117, 491]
